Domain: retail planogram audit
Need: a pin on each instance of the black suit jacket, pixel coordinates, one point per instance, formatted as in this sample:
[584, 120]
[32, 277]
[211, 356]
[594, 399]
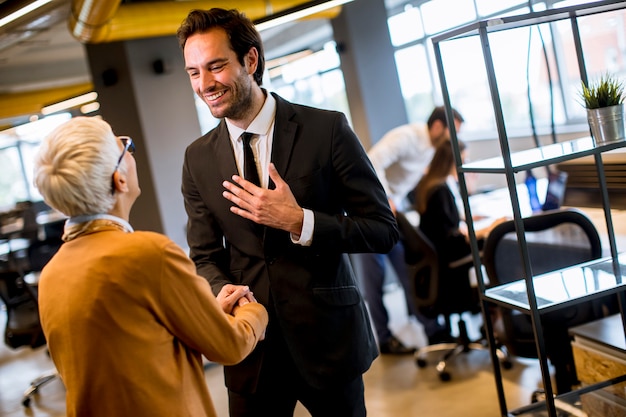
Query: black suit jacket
[314, 296]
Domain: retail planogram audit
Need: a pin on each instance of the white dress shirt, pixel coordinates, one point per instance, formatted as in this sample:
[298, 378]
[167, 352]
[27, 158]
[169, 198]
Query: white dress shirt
[400, 158]
[263, 129]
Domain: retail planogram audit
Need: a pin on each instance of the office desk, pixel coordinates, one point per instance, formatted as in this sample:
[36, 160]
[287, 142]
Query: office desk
[10, 229]
[583, 187]
[50, 224]
[497, 203]
[50, 217]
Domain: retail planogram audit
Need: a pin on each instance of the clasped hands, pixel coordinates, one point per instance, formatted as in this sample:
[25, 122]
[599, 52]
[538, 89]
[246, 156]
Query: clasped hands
[232, 296]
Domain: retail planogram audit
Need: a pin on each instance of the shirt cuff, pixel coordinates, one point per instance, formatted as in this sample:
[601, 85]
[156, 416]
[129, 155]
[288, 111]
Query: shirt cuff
[306, 235]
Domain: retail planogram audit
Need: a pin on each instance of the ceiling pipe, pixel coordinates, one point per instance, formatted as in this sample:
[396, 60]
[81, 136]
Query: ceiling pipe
[101, 21]
[89, 18]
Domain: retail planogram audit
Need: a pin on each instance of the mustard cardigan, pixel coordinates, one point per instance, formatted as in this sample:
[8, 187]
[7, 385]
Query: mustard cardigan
[127, 320]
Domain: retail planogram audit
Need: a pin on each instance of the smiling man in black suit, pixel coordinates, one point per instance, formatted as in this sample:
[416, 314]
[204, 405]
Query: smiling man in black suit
[287, 239]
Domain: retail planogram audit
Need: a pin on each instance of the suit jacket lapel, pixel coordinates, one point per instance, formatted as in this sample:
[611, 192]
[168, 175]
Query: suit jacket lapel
[284, 136]
[223, 151]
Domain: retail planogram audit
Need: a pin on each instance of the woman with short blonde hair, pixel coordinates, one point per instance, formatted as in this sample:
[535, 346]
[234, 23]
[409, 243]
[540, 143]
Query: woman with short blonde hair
[75, 164]
[125, 315]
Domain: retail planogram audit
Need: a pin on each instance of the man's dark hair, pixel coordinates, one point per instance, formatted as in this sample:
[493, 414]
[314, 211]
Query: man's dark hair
[439, 113]
[239, 29]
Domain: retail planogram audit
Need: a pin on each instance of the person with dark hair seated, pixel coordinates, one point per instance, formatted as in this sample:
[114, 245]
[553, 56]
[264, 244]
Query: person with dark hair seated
[400, 158]
[438, 209]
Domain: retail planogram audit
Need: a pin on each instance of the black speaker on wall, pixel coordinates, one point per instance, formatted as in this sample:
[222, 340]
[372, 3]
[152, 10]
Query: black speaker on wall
[109, 77]
[159, 67]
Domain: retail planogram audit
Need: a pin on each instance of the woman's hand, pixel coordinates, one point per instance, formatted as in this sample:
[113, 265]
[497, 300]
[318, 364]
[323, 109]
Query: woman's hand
[232, 296]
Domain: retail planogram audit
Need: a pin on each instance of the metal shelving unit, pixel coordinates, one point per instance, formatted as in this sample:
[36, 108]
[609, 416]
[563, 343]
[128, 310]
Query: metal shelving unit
[523, 294]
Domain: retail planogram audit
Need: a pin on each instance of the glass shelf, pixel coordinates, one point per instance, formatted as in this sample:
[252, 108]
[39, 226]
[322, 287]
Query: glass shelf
[599, 400]
[566, 286]
[545, 155]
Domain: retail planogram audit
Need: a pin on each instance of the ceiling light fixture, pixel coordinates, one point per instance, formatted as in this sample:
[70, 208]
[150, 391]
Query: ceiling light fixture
[286, 59]
[23, 11]
[298, 12]
[90, 107]
[70, 103]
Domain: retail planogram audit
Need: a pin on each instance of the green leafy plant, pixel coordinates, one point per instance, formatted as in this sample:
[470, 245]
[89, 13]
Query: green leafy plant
[607, 91]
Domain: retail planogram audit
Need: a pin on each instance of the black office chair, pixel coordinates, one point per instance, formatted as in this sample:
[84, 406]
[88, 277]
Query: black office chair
[439, 289]
[22, 327]
[18, 291]
[39, 252]
[555, 239]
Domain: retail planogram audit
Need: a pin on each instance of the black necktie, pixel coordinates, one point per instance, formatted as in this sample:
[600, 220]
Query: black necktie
[249, 165]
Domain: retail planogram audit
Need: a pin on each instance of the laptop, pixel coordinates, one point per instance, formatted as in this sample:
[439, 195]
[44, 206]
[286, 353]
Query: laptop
[555, 192]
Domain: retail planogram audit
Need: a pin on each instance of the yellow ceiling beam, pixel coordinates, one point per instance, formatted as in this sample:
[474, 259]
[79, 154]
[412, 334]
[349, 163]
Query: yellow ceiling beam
[28, 103]
[108, 21]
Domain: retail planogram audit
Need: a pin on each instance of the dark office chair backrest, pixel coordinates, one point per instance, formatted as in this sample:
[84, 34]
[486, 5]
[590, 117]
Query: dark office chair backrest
[20, 295]
[23, 327]
[436, 287]
[30, 228]
[555, 239]
[41, 251]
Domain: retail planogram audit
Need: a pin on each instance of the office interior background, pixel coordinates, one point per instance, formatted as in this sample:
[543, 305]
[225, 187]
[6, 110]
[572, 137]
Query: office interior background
[372, 60]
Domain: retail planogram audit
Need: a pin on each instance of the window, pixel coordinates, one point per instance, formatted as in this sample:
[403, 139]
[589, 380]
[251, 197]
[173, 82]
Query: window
[490, 7]
[18, 147]
[406, 27]
[440, 15]
[312, 78]
[415, 82]
[603, 40]
[543, 68]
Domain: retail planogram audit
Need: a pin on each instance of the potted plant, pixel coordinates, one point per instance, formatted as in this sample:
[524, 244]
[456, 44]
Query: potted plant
[604, 101]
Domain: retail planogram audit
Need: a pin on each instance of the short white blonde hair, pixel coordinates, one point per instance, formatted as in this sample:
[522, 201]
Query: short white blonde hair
[73, 168]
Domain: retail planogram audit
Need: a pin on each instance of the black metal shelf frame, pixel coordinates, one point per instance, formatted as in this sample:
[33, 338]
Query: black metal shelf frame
[511, 163]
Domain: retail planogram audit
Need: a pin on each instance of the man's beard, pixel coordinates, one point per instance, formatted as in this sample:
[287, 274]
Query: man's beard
[241, 102]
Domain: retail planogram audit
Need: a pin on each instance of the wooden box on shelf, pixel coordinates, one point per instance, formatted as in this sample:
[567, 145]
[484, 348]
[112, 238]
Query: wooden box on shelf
[599, 349]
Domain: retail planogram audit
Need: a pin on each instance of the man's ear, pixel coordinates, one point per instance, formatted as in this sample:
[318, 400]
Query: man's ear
[119, 182]
[252, 59]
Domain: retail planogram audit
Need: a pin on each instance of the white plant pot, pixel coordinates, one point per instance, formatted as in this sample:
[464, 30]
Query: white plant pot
[607, 123]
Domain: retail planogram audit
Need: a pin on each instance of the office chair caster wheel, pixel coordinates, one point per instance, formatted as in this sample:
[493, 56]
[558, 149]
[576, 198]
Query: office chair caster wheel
[444, 376]
[506, 364]
[421, 363]
[538, 395]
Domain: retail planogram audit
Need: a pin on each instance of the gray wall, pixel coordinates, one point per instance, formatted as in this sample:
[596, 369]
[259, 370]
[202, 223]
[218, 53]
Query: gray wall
[157, 110]
[369, 68]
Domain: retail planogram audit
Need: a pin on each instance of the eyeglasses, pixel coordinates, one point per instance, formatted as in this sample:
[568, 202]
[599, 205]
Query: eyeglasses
[129, 146]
